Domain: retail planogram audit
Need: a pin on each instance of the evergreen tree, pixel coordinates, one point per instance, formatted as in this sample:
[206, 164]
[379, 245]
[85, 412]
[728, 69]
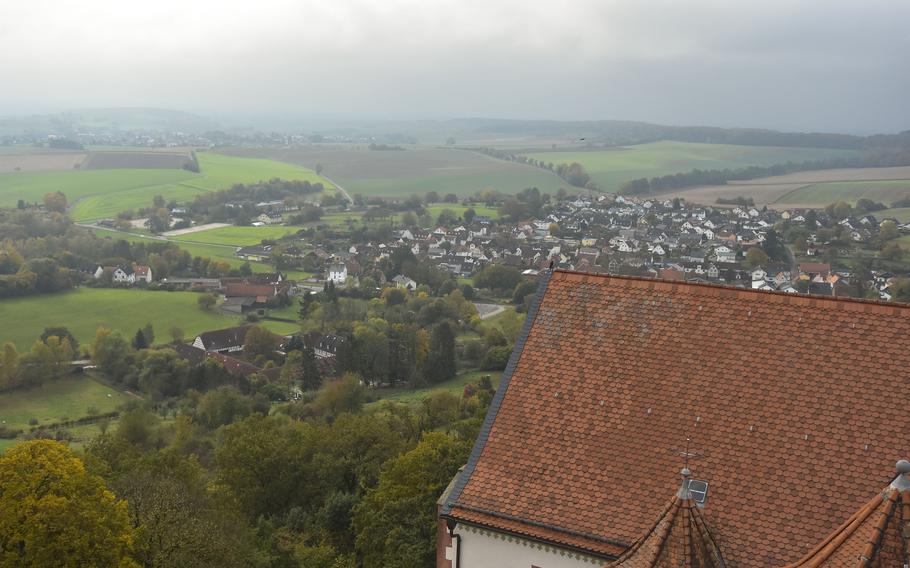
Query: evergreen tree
[310, 376]
[139, 341]
[149, 332]
[441, 359]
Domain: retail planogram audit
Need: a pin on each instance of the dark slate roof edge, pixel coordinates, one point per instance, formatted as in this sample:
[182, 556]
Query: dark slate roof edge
[496, 403]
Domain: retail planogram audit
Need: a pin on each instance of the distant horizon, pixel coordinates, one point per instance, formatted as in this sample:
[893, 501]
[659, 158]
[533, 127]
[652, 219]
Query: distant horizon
[797, 66]
[255, 120]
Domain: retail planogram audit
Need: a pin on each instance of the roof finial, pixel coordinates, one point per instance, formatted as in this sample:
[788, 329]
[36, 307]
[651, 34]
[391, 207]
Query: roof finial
[684, 492]
[901, 483]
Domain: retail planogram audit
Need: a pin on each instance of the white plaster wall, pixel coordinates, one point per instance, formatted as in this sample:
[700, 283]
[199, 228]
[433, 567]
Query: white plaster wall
[485, 549]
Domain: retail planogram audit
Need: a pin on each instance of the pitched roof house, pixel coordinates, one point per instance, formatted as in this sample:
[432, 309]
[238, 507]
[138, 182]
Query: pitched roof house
[222, 340]
[794, 406]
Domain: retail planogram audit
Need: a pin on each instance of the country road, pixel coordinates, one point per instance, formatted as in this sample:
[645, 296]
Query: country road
[341, 189]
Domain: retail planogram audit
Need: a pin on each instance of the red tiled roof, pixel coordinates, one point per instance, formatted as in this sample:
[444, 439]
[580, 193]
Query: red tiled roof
[267, 290]
[791, 401]
[875, 536]
[679, 538]
[815, 267]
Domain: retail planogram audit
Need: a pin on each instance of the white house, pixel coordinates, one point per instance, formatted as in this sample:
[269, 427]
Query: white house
[402, 281]
[143, 274]
[270, 218]
[337, 273]
[119, 275]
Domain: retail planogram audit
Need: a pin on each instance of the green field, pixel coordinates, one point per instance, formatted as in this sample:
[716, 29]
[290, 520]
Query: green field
[215, 252]
[31, 186]
[850, 191]
[611, 168]
[95, 194]
[454, 386]
[84, 310]
[902, 214]
[71, 398]
[415, 170]
[238, 236]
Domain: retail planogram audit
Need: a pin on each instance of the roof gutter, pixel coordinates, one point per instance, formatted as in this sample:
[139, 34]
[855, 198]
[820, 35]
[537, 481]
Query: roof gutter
[452, 522]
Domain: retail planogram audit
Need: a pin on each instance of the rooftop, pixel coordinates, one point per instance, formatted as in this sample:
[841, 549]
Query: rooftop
[611, 374]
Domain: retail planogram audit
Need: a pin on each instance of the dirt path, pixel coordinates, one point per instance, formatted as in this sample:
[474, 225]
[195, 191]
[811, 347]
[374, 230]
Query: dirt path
[196, 229]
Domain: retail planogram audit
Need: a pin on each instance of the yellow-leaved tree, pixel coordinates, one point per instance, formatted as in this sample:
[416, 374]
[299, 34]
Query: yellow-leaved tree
[54, 513]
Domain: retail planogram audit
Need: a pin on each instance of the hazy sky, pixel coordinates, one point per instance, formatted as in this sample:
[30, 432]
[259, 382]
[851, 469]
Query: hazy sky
[835, 65]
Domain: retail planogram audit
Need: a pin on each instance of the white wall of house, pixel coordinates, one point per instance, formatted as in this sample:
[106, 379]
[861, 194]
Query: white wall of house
[487, 549]
[339, 276]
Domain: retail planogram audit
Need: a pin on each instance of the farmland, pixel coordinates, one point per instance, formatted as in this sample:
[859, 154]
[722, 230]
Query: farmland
[820, 194]
[415, 170]
[811, 188]
[611, 168]
[41, 162]
[136, 160]
[100, 193]
[84, 310]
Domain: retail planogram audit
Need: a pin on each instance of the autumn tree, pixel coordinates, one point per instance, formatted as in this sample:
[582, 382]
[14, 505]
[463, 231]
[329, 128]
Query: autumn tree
[111, 353]
[9, 366]
[55, 202]
[756, 257]
[395, 523]
[206, 302]
[54, 513]
[259, 342]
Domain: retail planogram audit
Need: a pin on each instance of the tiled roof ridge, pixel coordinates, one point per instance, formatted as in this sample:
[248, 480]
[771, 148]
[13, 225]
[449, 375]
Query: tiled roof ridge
[894, 499]
[781, 297]
[496, 403]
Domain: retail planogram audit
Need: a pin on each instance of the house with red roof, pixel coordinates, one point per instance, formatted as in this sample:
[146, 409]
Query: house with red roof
[788, 411]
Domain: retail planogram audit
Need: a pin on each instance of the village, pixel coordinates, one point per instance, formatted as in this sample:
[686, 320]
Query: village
[796, 251]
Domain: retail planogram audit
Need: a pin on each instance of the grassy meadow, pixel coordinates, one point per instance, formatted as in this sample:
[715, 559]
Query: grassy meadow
[414, 170]
[84, 310]
[612, 167]
[238, 236]
[70, 398]
[95, 194]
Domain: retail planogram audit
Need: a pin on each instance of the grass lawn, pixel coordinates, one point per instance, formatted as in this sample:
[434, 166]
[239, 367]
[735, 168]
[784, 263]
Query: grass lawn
[454, 386]
[65, 399]
[611, 168]
[84, 310]
[238, 236]
[822, 194]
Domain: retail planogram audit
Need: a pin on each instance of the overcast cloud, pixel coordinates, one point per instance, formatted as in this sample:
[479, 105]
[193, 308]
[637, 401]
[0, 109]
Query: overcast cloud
[833, 65]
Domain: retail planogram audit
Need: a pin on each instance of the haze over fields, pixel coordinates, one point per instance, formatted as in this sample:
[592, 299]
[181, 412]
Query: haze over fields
[828, 65]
